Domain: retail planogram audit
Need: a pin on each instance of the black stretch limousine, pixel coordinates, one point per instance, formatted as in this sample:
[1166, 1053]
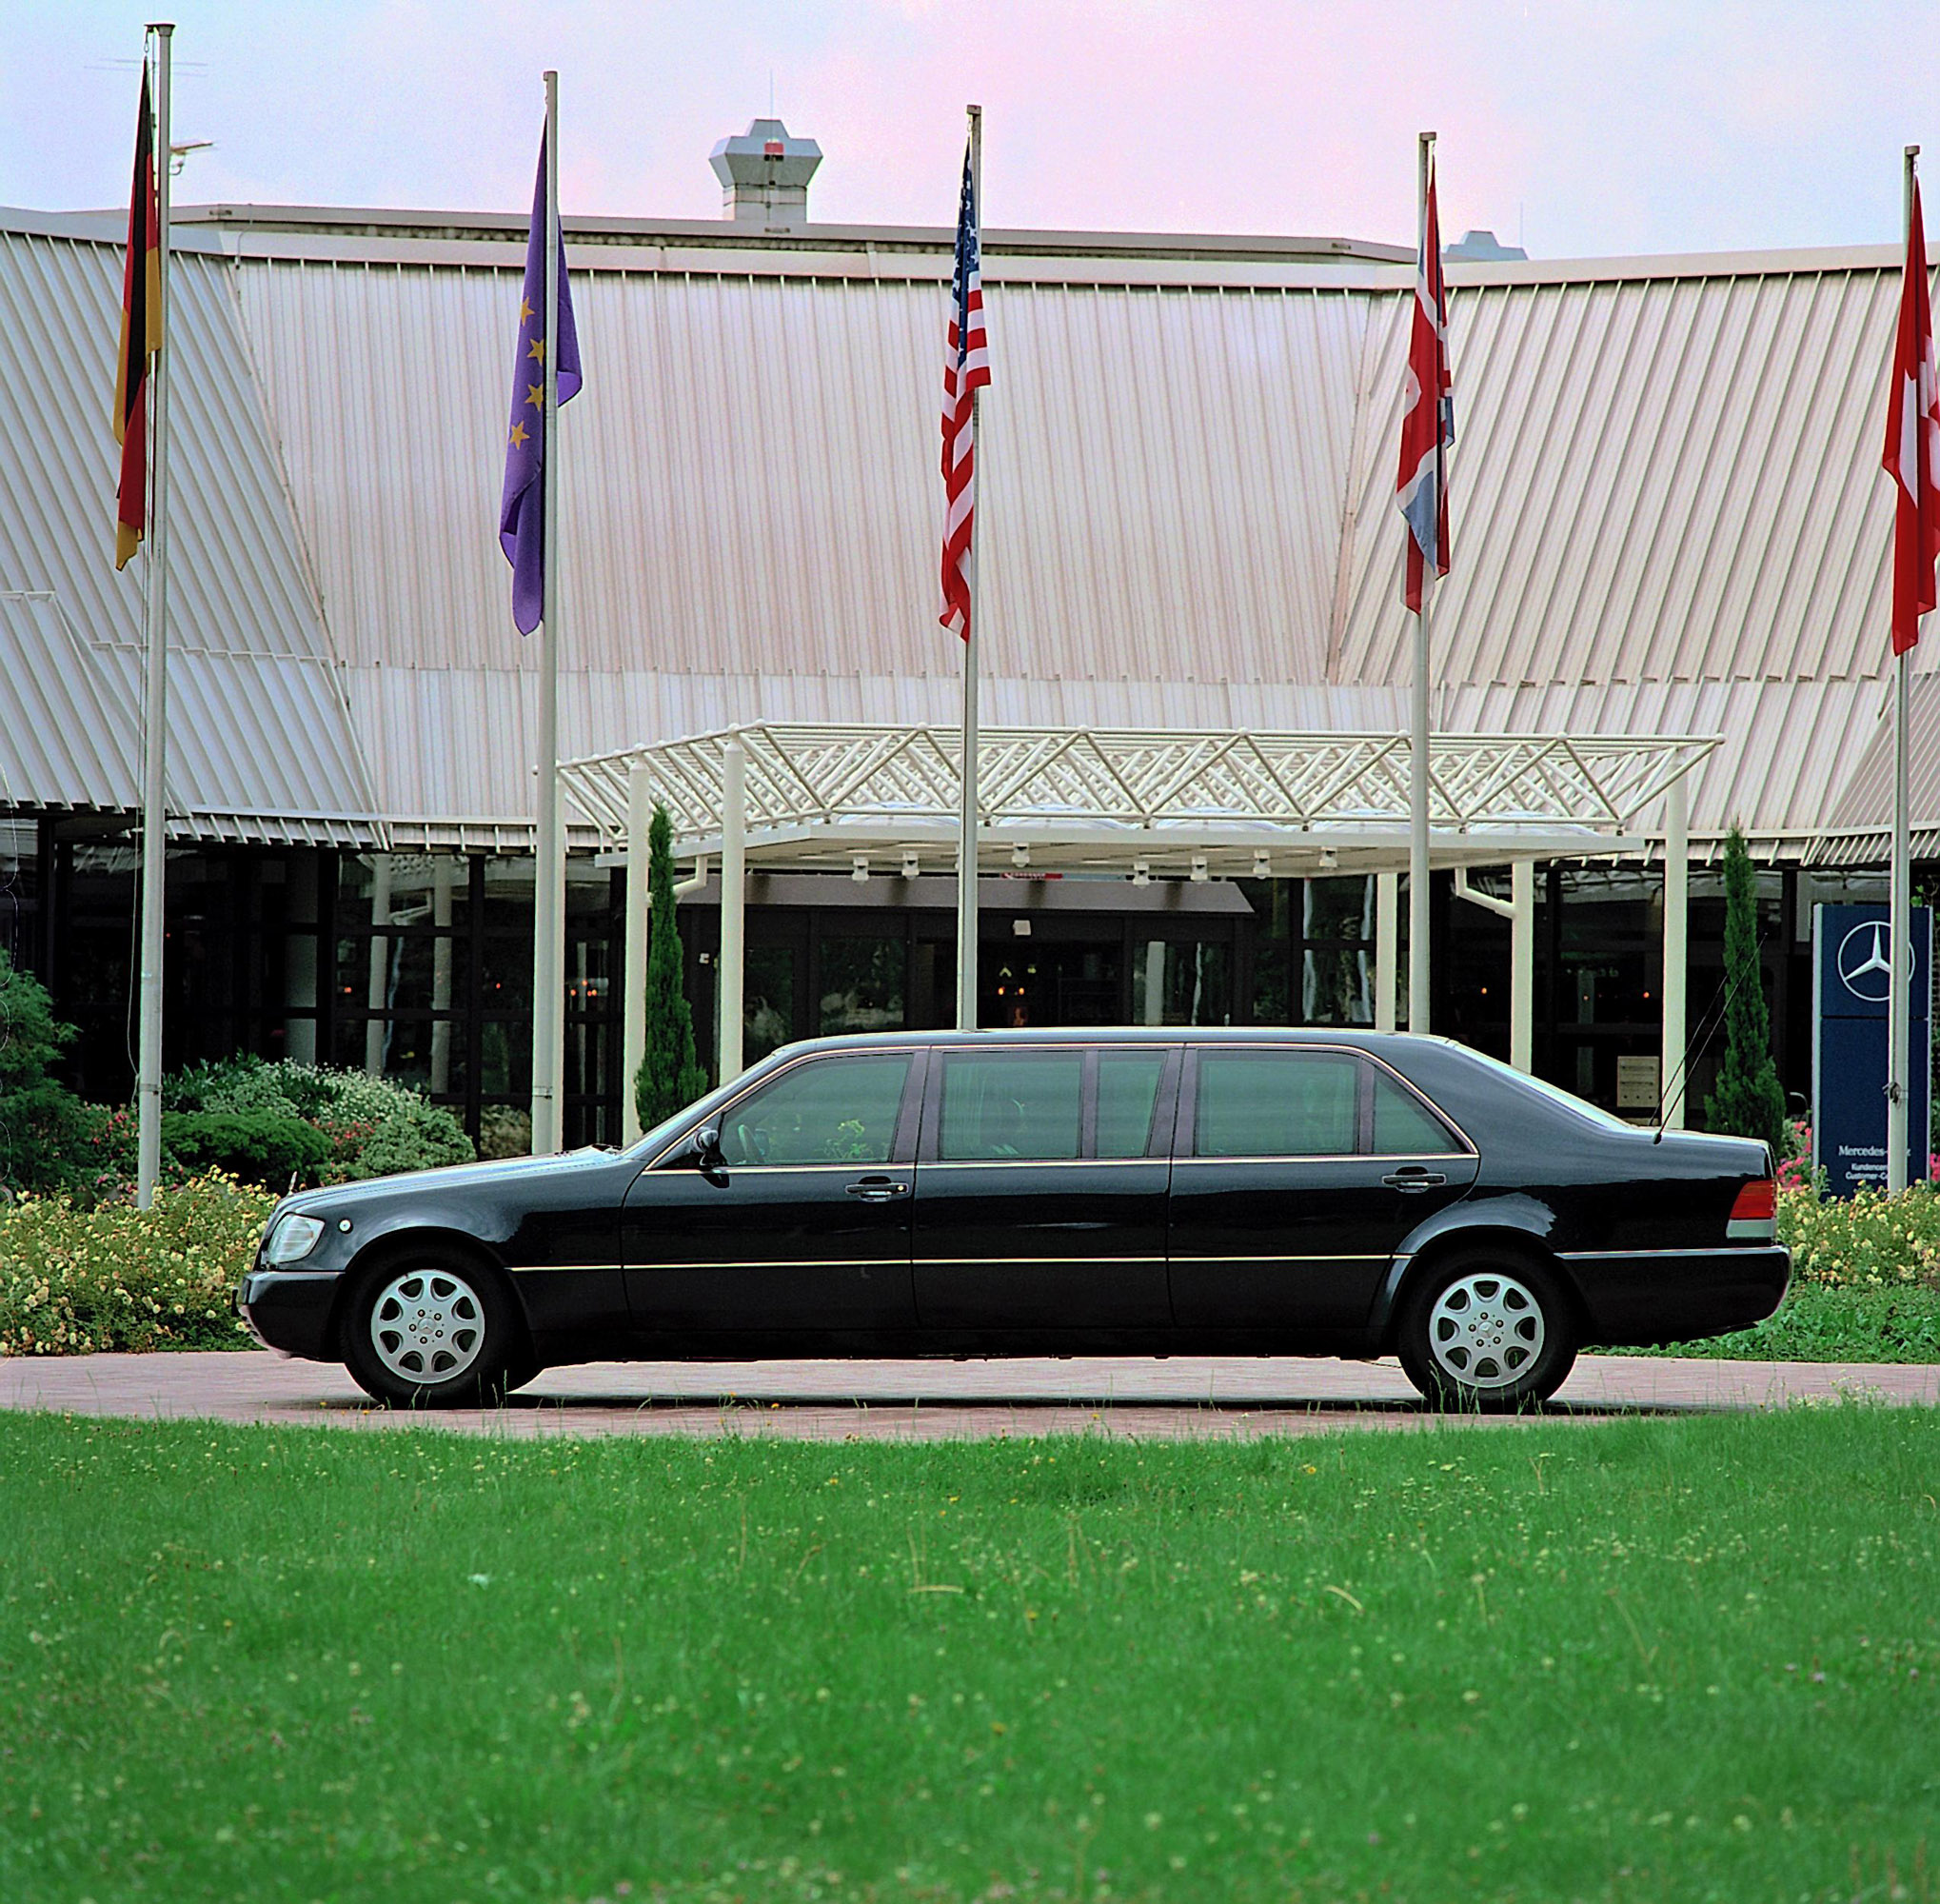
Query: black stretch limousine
[1010, 1193]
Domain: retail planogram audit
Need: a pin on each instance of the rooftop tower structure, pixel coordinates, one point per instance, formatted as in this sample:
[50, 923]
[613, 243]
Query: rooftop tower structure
[765, 176]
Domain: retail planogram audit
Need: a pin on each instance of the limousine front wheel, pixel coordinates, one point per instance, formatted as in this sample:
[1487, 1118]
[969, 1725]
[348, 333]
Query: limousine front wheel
[433, 1330]
[1489, 1331]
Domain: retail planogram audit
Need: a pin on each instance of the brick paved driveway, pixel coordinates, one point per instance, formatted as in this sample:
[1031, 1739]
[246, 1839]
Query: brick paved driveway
[1184, 1396]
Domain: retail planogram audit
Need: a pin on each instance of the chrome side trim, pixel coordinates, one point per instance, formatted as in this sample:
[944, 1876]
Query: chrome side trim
[801, 1169]
[1617, 1255]
[1032, 1162]
[1328, 1157]
[1283, 1256]
[711, 1262]
[1046, 1262]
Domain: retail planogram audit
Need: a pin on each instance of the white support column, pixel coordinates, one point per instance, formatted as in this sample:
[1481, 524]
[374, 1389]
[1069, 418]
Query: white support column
[377, 985]
[633, 980]
[732, 906]
[1522, 964]
[1154, 982]
[1387, 931]
[556, 958]
[443, 865]
[1520, 910]
[1671, 1079]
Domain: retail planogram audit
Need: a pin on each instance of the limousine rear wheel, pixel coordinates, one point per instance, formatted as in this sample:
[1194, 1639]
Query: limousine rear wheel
[433, 1330]
[1486, 1329]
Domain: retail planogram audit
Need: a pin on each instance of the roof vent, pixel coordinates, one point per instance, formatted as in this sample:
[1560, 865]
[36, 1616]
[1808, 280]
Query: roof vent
[765, 176]
[1482, 248]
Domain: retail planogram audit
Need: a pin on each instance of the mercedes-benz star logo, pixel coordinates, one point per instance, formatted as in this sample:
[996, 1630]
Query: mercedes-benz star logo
[1865, 967]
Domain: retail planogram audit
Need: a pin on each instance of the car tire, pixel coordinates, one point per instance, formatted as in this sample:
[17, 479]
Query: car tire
[430, 1328]
[1487, 1331]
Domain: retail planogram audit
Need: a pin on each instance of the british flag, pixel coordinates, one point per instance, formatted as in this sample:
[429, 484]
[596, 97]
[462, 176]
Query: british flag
[967, 371]
[1912, 446]
[1427, 412]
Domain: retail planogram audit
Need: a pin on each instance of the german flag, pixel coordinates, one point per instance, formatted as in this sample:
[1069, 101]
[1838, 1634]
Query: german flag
[140, 337]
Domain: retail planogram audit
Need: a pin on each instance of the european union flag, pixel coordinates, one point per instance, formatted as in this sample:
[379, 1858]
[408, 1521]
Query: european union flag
[522, 510]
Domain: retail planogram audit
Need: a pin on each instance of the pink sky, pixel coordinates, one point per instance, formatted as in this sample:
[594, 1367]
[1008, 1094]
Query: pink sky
[1592, 129]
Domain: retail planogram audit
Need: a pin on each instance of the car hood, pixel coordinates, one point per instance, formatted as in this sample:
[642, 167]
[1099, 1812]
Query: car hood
[492, 1172]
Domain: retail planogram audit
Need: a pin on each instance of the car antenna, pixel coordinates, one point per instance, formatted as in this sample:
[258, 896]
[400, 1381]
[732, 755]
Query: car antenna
[1708, 1030]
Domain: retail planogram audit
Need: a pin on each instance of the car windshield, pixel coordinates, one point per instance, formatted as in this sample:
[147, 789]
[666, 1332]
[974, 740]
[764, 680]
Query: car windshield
[1555, 1093]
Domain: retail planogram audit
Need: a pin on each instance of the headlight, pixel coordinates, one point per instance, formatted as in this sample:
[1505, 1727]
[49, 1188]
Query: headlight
[293, 1239]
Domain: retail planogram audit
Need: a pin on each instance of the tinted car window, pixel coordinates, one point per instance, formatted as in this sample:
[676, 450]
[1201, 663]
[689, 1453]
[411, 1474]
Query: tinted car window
[1404, 1126]
[999, 1105]
[1127, 1089]
[835, 1110]
[1276, 1103]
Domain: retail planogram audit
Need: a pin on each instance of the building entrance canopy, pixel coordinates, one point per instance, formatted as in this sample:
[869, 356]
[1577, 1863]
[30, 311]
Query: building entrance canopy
[1183, 803]
[1147, 804]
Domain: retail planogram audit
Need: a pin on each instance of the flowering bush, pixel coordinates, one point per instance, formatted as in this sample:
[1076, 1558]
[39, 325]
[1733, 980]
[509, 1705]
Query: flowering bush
[279, 1122]
[117, 1277]
[1868, 1240]
[1796, 1165]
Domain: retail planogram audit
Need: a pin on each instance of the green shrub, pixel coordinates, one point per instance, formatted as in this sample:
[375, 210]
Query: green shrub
[75, 1281]
[415, 1136]
[271, 1148]
[46, 1131]
[505, 1131]
[272, 1120]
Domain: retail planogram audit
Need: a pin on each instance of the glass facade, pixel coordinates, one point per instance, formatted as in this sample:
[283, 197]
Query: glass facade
[419, 965]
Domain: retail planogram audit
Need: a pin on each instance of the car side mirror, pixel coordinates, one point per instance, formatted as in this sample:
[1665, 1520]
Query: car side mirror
[701, 1150]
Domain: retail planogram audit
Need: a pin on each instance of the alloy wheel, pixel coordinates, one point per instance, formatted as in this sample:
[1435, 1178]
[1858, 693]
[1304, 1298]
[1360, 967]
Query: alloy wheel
[427, 1325]
[1485, 1330]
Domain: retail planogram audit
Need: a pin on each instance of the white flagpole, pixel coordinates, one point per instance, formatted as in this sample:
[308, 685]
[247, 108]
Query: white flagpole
[156, 728]
[967, 846]
[1418, 744]
[549, 909]
[1900, 907]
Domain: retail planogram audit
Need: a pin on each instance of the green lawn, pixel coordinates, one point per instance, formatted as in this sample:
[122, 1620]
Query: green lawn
[1648, 1658]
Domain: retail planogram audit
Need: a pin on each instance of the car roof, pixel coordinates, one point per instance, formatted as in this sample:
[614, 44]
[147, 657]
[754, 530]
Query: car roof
[1128, 1034]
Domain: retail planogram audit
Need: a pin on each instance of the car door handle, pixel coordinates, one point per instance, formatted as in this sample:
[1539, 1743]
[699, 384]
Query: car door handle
[1414, 1177]
[878, 1189]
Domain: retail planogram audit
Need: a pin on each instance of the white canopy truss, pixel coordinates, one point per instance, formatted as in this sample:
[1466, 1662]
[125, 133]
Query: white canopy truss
[1204, 804]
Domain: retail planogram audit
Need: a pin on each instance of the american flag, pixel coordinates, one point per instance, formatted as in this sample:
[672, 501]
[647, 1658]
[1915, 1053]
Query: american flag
[966, 369]
[1427, 413]
[1912, 448]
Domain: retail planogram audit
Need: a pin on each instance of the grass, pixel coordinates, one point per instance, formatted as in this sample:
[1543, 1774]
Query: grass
[1686, 1658]
[1820, 1325]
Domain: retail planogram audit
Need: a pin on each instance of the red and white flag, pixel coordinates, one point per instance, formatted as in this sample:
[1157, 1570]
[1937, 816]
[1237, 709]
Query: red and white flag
[1427, 413]
[1912, 448]
[140, 337]
[966, 369]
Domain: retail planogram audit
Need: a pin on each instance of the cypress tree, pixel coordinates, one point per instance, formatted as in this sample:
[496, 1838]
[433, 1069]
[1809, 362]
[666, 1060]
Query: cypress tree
[670, 1076]
[1747, 1101]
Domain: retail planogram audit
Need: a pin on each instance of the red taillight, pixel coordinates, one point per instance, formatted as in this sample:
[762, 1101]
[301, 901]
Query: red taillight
[1757, 1203]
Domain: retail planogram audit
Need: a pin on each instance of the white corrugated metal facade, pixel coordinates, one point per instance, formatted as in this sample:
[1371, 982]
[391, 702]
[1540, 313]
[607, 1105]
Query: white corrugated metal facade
[262, 742]
[1668, 512]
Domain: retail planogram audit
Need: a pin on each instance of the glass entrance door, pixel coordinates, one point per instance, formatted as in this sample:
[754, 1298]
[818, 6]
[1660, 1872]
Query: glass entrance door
[1026, 984]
